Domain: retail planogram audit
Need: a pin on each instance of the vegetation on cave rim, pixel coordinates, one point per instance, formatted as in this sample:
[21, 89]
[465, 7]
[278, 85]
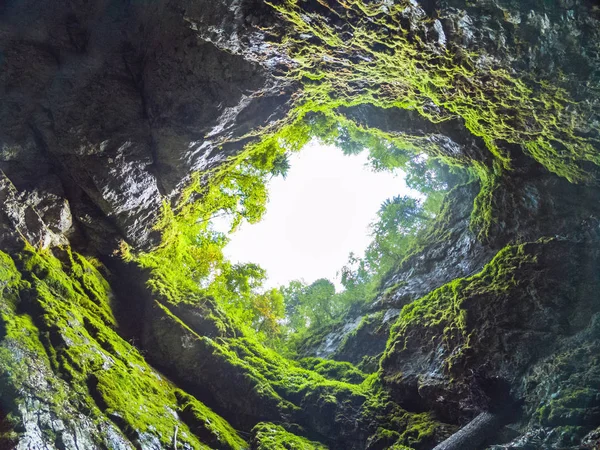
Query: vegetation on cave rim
[381, 54]
[375, 58]
[194, 251]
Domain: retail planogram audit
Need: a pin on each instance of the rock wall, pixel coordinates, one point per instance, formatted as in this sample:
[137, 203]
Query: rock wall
[108, 107]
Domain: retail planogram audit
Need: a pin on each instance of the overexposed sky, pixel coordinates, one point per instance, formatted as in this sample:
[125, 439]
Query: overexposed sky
[316, 216]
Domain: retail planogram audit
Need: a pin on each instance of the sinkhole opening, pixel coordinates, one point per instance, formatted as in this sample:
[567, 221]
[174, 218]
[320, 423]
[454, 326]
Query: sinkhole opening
[316, 216]
[341, 211]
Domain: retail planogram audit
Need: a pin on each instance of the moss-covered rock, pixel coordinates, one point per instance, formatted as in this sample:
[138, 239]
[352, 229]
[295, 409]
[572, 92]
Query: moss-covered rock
[335, 370]
[268, 436]
[108, 112]
[502, 323]
[61, 352]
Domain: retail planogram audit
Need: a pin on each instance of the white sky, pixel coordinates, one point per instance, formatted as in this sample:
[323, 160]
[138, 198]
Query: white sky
[316, 216]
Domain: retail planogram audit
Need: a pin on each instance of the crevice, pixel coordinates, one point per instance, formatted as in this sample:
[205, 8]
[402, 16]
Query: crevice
[131, 297]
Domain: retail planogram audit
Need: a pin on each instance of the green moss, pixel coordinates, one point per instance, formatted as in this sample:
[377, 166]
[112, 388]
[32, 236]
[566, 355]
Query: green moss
[285, 377]
[70, 328]
[372, 56]
[25, 369]
[484, 207]
[440, 313]
[9, 275]
[268, 436]
[375, 58]
[207, 425]
[418, 430]
[383, 439]
[571, 407]
[335, 370]
[284, 389]
[70, 304]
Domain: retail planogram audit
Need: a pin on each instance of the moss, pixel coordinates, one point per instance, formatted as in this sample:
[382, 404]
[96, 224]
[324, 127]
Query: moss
[284, 389]
[287, 379]
[571, 407]
[378, 55]
[9, 438]
[70, 328]
[393, 66]
[268, 436]
[484, 207]
[440, 313]
[25, 369]
[335, 370]
[207, 425]
[9, 275]
[369, 364]
[415, 430]
[70, 306]
[383, 439]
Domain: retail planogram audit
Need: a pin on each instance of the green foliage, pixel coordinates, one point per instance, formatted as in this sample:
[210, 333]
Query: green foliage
[312, 310]
[205, 424]
[191, 251]
[317, 301]
[399, 220]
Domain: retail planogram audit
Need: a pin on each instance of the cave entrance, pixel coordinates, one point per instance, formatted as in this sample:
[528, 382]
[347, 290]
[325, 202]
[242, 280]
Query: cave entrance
[316, 216]
[348, 208]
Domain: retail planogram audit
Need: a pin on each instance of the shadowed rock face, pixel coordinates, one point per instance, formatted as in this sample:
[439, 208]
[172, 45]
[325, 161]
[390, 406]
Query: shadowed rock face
[110, 106]
[106, 110]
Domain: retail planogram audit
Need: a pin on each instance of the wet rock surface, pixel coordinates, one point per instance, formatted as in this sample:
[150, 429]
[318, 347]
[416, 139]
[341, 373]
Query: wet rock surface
[119, 104]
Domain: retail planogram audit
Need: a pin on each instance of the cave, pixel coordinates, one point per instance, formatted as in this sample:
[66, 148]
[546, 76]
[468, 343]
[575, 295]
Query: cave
[125, 126]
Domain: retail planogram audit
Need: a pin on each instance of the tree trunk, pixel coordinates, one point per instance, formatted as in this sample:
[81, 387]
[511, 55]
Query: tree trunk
[471, 436]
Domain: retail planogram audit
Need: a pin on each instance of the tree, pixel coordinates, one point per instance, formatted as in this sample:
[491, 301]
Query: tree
[354, 273]
[317, 301]
[400, 219]
[281, 166]
[269, 311]
[292, 294]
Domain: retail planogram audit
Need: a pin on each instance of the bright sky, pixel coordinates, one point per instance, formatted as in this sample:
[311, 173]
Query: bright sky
[316, 216]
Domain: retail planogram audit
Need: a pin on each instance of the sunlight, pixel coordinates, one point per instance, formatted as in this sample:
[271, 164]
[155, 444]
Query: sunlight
[316, 216]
